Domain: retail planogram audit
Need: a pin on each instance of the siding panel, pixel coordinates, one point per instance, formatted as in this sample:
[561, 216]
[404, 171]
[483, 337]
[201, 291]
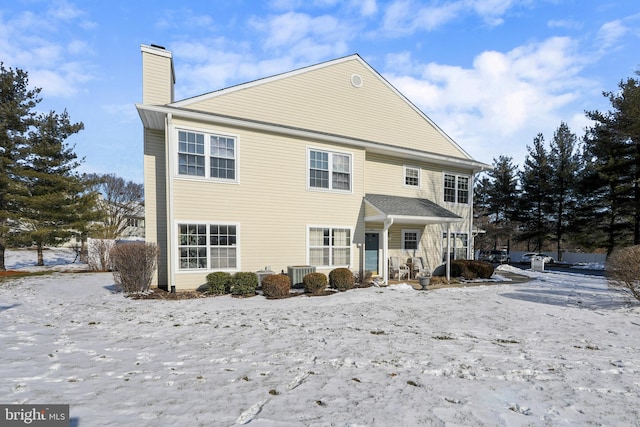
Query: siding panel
[325, 100]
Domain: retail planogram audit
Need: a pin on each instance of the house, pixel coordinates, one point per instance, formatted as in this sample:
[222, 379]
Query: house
[327, 165]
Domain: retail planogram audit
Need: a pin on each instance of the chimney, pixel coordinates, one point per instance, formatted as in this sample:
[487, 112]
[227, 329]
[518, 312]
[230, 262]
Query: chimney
[158, 77]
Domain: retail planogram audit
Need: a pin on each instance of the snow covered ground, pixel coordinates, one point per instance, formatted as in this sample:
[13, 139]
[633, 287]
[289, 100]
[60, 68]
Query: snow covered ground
[559, 350]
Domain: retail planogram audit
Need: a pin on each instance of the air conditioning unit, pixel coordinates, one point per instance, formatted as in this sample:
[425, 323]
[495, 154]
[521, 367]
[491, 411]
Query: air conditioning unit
[297, 272]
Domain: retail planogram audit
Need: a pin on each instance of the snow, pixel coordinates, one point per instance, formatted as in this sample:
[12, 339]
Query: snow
[561, 349]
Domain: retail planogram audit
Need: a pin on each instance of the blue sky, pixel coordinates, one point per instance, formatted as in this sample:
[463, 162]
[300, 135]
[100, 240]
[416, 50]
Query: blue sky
[490, 73]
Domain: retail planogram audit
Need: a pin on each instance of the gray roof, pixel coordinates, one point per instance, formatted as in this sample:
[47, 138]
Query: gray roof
[408, 206]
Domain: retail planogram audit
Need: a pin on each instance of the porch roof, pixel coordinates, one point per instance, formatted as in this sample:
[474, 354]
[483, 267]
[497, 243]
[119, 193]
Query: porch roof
[408, 210]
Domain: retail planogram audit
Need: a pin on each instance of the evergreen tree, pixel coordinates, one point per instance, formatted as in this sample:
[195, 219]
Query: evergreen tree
[56, 201]
[481, 190]
[613, 158]
[501, 197]
[565, 163]
[534, 205]
[606, 186]
[16, 104]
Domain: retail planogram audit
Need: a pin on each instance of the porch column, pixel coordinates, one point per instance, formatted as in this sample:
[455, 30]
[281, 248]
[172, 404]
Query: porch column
[385, 250]
[448, 261]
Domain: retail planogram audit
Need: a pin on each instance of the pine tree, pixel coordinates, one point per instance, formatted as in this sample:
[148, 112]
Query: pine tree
[16, 104]
[565, 163]
[56, 201]
[501, 196]
[606, 186]
[613, 159]
[534, 207]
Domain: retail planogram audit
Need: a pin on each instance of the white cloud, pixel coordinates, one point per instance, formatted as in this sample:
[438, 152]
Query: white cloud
[503, 100]
[367, 7]
[408, 16]
[610, 33]
[568, 24]
[37, 43]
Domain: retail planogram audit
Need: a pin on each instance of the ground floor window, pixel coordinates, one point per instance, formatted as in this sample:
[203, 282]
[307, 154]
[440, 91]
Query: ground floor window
[329, 246]
[459, 246]
[410, 239]
[207, 246]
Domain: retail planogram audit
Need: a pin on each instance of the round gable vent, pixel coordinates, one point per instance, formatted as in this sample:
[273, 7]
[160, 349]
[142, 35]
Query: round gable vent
[356, 80]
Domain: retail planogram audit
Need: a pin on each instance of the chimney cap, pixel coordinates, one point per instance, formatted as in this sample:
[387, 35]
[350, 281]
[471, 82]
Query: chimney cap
[158, 46]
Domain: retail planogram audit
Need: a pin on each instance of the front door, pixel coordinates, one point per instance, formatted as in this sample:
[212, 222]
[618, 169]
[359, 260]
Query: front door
[371, 252]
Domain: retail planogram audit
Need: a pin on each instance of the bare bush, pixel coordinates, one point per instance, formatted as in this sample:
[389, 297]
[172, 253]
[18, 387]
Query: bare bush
[134, 265]
[98, 254]
[623, 270]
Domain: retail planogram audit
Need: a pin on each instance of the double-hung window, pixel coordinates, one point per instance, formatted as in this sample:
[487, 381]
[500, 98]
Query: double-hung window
[459, 245]
[191, 153]
[328, 170]
[411, 177]
[456, 188]
[208, 246]
[329, 246]
[410, 239]
[207, 155]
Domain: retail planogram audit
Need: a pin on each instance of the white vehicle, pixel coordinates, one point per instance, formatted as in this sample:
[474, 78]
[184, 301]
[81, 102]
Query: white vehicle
[526, 258]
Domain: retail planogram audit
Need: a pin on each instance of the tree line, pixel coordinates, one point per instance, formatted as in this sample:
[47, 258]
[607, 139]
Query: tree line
[44, 200]
[577, 193]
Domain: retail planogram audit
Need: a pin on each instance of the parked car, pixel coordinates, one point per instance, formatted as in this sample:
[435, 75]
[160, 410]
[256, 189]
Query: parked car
[501, 256]
[526, 258]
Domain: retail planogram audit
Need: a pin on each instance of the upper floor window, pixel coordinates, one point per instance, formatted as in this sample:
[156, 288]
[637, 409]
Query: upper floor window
[201, 154]
[456, 188]
[411, 176]
[328, 170]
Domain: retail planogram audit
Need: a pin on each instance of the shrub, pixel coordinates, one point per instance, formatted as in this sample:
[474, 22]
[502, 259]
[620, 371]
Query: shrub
[244, 283]
[315, 283]
[276, 286]
[134, 265]
[218, 283]
[98, 254]
[623, 270]
[341, 279]
[467, 269]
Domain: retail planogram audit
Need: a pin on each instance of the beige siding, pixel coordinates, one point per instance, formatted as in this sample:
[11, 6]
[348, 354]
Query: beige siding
[324, 100]
[385, 175]
[155, 198]
[157, 77]
[271, 202]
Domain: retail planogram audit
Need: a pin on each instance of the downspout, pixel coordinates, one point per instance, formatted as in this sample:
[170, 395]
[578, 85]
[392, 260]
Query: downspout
[471, 246]
[171, 247]
[448, 262]
[385, 250]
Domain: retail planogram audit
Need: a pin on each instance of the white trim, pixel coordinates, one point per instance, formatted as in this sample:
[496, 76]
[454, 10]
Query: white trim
[451, 239]
[404, 176]
[330, 153]
[152, 116]
[456, 188]
[330, 227]
[207, 223]
[208, 132]
[171, 238]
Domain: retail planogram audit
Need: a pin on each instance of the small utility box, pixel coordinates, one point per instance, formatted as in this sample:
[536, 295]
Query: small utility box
[537, 263]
